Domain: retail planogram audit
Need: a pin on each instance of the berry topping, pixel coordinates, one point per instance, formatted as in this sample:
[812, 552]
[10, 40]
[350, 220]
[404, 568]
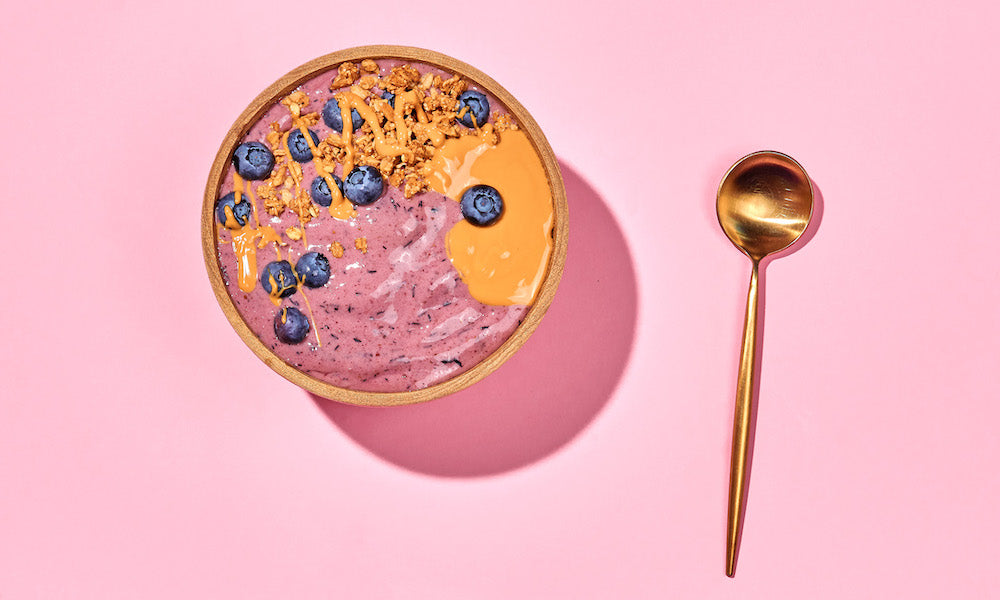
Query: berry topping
[390, 98]
[253, 160]
[230, 214]
[320, 190]
[363, 185]
[278, 280]
[481, 205]
[473, 105]
[335, 121]
[298, 147]
[313, 269]
[290, 325]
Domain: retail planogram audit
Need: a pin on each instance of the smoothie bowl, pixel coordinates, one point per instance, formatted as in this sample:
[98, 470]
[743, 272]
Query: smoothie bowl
[384, 225]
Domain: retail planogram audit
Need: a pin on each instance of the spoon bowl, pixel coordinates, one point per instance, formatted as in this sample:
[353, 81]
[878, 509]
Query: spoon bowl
[765, 202]
[764, 205]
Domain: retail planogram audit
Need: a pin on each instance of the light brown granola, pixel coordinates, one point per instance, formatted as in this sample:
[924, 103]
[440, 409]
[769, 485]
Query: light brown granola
[427, 105]
[503, 122]
[361, 243]
[454, 86]
[272, 203]
[401, 78]
[294, 233]
[413, 184]
[347, 74]
[302, 205]
[273, 137]
[295, 102]
[396, 178]
[337, 250]
[310, 119]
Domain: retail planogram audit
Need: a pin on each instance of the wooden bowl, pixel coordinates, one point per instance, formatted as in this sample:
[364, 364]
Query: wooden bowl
[283, 87]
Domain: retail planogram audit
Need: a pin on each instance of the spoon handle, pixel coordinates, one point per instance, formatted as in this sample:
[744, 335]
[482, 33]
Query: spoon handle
[741, 426]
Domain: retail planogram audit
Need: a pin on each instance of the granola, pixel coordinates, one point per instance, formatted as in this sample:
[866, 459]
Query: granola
[427, 116]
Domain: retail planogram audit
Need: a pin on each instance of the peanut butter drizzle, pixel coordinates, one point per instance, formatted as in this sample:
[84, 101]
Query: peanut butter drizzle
[312, 319]
[350, 100]
[338, 201]
[269, 235]
[346, 132]
[503, 263]
[275, 293]
[246, 257]
[244, 241]
[245, 237]
[231, 222]
[343, 211]
[284, 319]
[245, 245]
[340, 207]
[238, 189]
[238, 193]
[296, 174]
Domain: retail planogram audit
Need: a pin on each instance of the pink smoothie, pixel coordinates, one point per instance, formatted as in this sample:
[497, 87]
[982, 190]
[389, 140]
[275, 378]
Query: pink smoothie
[396, 317]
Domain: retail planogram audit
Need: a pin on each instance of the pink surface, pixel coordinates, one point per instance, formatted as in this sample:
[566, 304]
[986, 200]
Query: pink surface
[145, 452]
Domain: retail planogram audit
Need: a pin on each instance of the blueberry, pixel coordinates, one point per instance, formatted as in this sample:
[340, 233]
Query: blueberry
[320, 190]
[281, 272]
[313, 269]
[363, 185]
[253, 160]
[481, 205]
[479, 108]
[290, 325]
[241, 211]
[335, 121]
[390, 98]
[298, 147]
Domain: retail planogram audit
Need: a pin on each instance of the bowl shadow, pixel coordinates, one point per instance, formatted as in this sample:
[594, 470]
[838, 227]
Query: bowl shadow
[544, 395]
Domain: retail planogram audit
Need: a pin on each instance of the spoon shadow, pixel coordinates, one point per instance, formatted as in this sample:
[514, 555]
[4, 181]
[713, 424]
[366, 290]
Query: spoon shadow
[545, 394]
[807, 235]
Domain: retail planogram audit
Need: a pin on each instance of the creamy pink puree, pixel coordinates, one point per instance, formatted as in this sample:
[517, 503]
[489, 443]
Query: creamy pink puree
[393, 319]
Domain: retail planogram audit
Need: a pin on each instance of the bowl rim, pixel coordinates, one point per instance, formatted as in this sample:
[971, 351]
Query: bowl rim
[285, 85]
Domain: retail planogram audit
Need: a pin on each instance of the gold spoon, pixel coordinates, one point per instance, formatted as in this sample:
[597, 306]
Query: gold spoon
[764, 204]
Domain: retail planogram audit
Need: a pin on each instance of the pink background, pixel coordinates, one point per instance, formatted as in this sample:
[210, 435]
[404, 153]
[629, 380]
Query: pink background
[146, 453]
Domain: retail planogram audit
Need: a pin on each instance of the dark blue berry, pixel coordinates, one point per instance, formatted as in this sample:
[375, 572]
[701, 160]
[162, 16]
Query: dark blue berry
[478, 108]
[290, 325]
[253, 160]
[241, 211]
[280, 271]
[390, 98]
[335, 121]
[481, 205]
[363, 185]
[313, 269]
[298, 147]
[320, 190]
